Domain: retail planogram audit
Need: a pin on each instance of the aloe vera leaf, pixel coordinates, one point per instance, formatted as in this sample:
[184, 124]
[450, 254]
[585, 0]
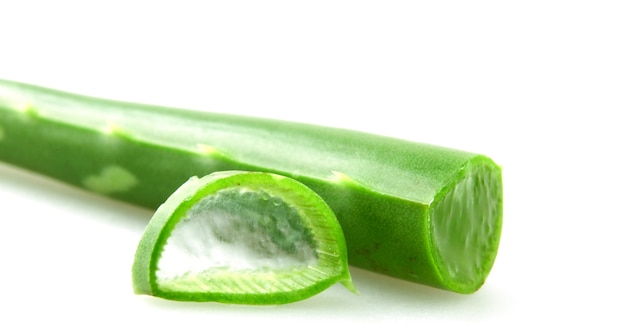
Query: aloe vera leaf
[414, 211]
[241, 237]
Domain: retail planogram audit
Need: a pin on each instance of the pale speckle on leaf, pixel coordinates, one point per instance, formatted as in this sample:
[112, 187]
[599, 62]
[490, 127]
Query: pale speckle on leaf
[210, 151]
[340, 177]
[112, 179]
[14, 101]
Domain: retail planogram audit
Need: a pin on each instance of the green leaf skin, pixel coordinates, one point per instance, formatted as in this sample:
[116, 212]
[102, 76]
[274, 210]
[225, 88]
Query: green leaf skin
[418, 212]
[244, 286]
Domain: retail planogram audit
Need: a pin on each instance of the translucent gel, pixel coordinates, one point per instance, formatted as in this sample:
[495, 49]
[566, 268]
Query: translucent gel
[237, 230]
[464, 225]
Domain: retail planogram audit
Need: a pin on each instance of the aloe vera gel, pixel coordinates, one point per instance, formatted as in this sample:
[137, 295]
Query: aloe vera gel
[418, 212]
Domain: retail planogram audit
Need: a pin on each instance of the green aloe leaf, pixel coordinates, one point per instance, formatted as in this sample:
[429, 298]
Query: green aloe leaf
[418, 212]
[241, 237]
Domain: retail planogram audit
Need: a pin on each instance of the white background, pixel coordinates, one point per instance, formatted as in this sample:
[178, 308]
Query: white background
[537, 85]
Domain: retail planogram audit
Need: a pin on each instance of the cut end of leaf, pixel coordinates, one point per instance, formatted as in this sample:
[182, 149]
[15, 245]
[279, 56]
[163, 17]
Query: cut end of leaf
[241, 237]
[466, 221]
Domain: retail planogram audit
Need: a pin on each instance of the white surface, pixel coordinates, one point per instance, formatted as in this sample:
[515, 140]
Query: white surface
[538, 85]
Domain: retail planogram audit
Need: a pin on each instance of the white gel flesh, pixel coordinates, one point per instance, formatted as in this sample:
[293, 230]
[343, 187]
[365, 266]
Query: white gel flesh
[238, 231]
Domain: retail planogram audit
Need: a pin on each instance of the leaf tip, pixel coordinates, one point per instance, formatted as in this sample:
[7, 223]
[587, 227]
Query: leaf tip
[348, 284]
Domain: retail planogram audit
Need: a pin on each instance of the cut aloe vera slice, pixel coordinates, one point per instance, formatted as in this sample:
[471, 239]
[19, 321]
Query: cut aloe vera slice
[241, 237]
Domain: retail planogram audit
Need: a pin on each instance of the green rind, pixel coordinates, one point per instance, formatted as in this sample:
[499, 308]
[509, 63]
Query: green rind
[381, 189]
[277, 298]
[292, 192]
[154, 236]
